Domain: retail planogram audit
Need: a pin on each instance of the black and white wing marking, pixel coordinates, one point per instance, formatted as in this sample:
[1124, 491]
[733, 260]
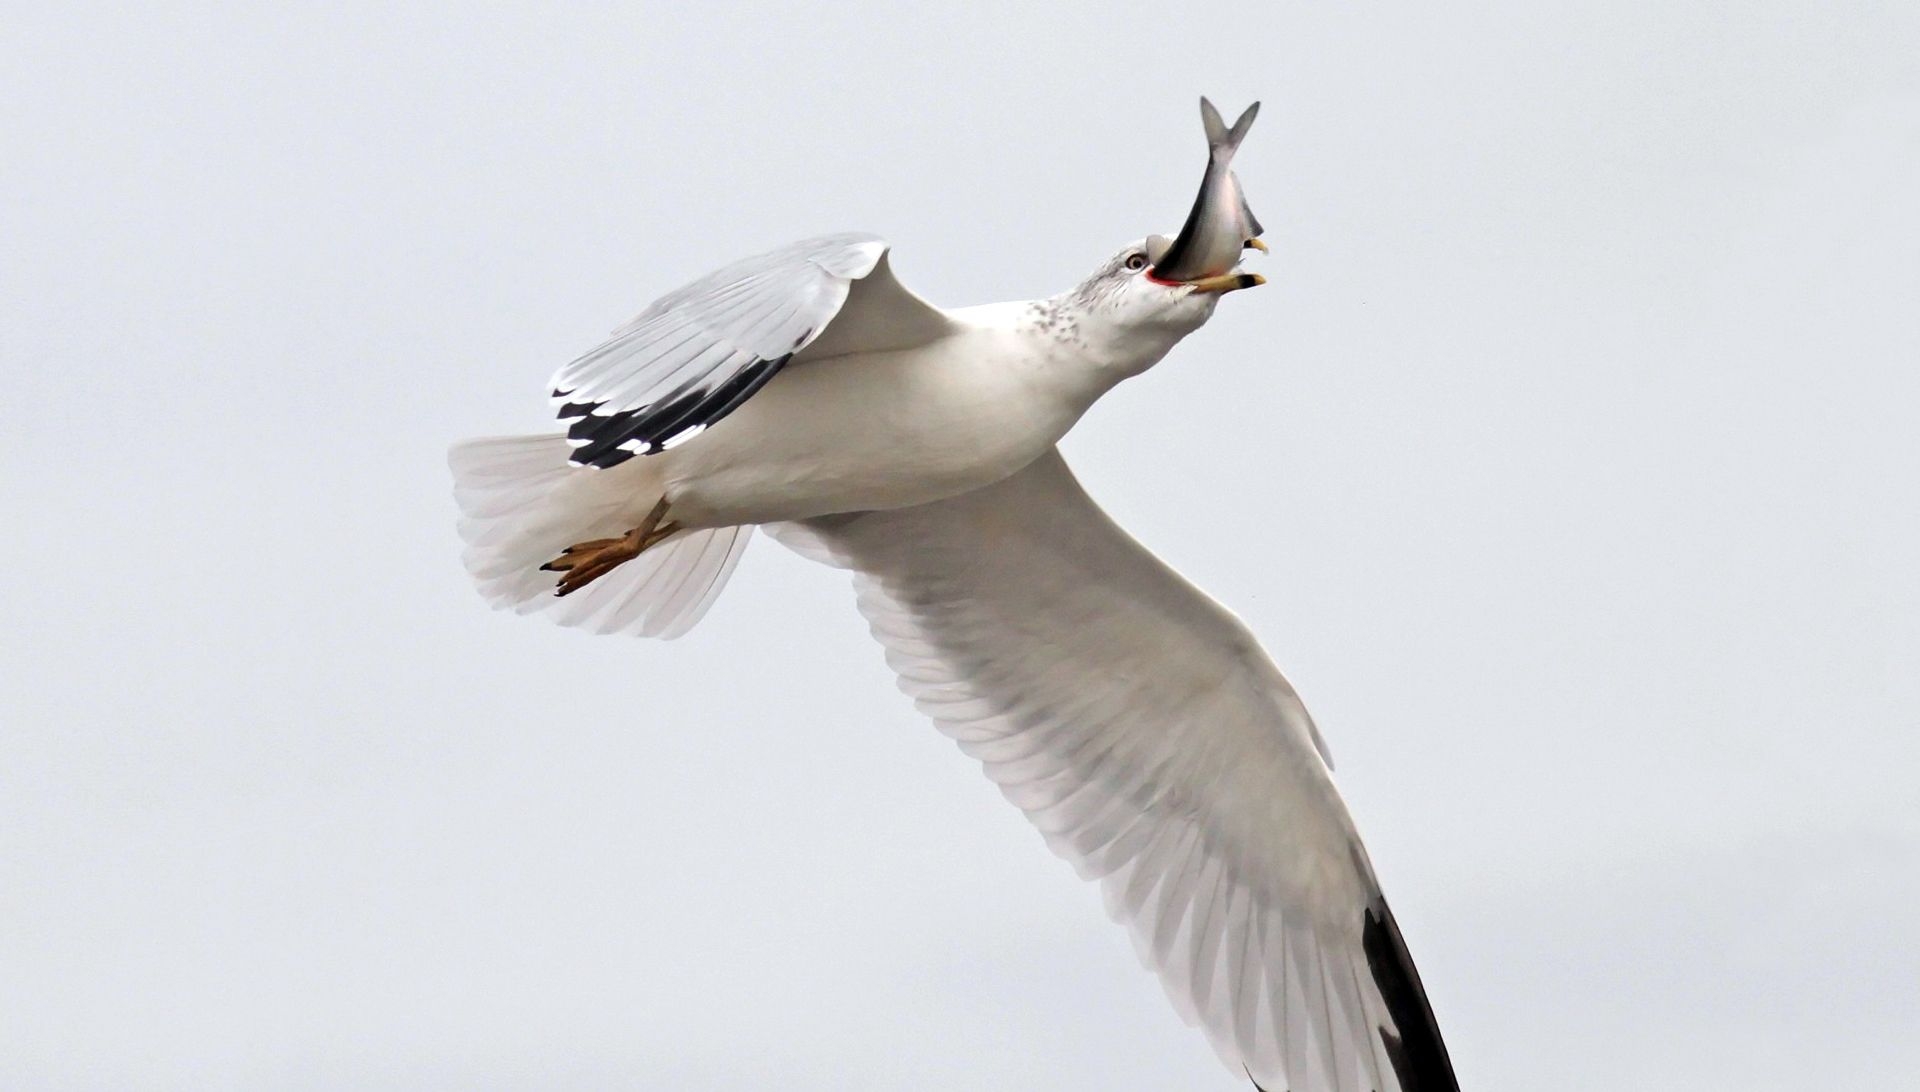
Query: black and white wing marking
[694, 355]
[1141, 727]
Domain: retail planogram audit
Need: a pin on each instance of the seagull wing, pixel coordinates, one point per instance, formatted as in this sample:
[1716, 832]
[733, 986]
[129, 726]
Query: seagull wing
[694, 355]
[1141, 727]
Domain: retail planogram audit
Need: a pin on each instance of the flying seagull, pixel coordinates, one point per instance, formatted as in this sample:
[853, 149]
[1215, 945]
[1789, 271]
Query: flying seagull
[1133, 719]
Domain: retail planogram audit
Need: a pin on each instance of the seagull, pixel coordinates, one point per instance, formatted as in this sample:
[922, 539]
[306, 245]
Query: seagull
[1134, 720]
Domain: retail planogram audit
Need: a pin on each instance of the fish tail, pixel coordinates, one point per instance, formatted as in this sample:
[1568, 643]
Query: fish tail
[1225, 140]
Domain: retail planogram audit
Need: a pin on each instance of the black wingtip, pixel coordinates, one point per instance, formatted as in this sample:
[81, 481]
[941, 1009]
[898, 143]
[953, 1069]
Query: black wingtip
[605, 439]
[1418, 1055]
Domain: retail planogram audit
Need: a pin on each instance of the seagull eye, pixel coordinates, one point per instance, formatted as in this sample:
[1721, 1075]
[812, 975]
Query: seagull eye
[1136, 261]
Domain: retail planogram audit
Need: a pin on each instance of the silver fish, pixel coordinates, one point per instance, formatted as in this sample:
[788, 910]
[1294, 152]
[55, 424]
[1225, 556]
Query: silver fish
[1221, 225]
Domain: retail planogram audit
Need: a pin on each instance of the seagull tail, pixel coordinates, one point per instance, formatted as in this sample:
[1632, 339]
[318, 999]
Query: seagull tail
[521, 503]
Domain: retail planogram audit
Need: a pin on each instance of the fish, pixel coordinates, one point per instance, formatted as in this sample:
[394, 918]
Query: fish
[1221, 225]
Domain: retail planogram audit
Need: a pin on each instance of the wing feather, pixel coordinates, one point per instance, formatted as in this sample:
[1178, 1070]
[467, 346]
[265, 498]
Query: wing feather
[699, 352]
[1156, 747]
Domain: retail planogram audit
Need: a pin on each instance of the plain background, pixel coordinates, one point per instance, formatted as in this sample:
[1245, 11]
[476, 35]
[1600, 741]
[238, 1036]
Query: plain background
[1568, 465]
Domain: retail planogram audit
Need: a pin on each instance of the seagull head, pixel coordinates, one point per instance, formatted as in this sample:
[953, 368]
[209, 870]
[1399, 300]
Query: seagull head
[1161, 288]
[1128, 289]
[1129, 318]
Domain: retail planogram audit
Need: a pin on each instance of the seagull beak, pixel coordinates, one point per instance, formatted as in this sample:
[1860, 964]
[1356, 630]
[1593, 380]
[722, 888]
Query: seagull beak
[1226, 282]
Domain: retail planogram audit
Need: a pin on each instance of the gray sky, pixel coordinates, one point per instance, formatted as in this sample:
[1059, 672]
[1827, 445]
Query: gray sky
[1568, 465]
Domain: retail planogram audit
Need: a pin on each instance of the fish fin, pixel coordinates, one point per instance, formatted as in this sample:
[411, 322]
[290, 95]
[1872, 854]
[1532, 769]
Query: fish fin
[1210, 117]
[1239, 131]
[1253, 222]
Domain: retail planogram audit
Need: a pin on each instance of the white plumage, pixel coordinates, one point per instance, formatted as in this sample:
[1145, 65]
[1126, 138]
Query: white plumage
[1140, 726]
[1135, 721]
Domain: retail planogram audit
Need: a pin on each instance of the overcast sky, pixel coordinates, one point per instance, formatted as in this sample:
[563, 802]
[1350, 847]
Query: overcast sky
[1568, 464]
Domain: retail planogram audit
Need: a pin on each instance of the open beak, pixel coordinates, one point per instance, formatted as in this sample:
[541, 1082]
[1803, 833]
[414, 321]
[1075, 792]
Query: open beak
[1227, 282]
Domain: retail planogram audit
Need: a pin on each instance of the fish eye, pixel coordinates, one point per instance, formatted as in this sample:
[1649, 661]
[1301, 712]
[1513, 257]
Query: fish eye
[1136, 261]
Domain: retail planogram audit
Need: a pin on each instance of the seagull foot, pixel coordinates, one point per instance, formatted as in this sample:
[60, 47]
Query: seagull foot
[585, 562]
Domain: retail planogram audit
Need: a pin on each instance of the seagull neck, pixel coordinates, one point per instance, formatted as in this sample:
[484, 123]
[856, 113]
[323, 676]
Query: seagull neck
[1092, 340]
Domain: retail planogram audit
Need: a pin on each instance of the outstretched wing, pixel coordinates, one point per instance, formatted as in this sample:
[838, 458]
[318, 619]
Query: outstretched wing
[694, 355]
[1140, 726]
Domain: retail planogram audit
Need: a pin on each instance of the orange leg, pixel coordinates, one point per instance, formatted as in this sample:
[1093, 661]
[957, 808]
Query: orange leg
[585, 562]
